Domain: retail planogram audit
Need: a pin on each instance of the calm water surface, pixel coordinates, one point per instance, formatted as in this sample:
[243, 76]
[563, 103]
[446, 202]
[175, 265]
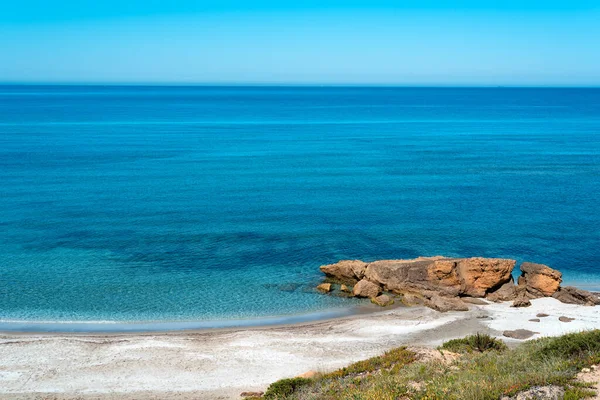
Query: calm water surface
[204, 203]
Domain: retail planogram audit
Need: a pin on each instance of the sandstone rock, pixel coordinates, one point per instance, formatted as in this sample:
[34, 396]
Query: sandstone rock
[365, 288]
[520, 334]
[539, 393]
[479, 275]
[345, 270]
[449, 276]
[345, 289]
[572, 295]
[521, 299]
[324, 287]
[565, 319]
[506, 292]
[444, 304]
[382, 300]
[540, 280]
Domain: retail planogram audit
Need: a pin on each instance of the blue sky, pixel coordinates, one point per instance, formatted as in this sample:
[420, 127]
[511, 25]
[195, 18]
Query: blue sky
[424, 42]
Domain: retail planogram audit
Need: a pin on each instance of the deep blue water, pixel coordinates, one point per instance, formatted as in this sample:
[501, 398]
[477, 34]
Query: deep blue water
[200, 203]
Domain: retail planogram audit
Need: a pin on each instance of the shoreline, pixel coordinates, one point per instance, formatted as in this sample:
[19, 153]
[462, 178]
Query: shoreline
[220, 364]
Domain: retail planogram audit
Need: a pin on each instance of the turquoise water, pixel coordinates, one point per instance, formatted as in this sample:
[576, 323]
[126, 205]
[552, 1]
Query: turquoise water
[208, 203]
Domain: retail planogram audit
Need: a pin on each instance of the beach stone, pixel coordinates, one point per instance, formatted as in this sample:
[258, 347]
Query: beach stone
[542, 315]
[520, 334]
[345, 270]
[539, 279]
[572, 295]
[324, 287]
[535, 320]
[345, 289]
[251, 394]
[565, 319]
[506, 292]
[445, 304]
[382, 300]
[365, 288]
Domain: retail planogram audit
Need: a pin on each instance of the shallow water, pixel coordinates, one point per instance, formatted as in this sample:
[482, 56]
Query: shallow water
[205, 203]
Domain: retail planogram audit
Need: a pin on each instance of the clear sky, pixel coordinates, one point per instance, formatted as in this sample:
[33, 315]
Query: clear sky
[426, 42]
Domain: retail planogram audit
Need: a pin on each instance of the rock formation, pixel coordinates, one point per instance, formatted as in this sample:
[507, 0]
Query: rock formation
[442, 282]
[572, 295]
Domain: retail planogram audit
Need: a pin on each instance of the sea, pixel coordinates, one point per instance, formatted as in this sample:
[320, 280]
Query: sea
[207, 205]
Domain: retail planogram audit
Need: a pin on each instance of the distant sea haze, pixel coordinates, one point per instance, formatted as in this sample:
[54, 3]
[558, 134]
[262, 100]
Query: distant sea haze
[215, 203]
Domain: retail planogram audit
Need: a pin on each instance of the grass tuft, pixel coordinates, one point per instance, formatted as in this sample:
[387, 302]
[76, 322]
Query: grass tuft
[479, 342]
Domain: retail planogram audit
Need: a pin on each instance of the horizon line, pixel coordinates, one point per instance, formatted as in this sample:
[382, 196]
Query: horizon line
[308, 84]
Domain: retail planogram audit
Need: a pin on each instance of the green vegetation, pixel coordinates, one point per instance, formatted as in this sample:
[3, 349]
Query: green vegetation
[486, 370]
[479, 342]
[285, 387]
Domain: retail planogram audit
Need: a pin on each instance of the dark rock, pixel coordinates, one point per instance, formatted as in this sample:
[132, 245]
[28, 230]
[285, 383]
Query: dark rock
[565, 319]
[520, 334]
[521, 299]
[535, 320]
[572, 295]
[505, 292]
[542, 315]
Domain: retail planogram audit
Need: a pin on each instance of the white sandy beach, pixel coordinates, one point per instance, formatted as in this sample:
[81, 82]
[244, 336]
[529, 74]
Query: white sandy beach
[221, 364]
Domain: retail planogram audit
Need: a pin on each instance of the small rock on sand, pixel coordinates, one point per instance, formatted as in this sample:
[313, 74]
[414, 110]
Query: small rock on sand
[535, 320]
[520, 334]
[251, 394]
[542, 315]
[565, 319]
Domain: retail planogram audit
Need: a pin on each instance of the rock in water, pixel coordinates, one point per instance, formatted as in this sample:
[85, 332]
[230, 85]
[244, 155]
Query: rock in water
[572, 295]
[383, 300]
[366, 288]
[345, 270]
[520, 334]
[324, 287]
[345, 289]
[540, 280]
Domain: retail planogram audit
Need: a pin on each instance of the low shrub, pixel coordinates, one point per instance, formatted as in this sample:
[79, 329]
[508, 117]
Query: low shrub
[480, 342]
[284, 387]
